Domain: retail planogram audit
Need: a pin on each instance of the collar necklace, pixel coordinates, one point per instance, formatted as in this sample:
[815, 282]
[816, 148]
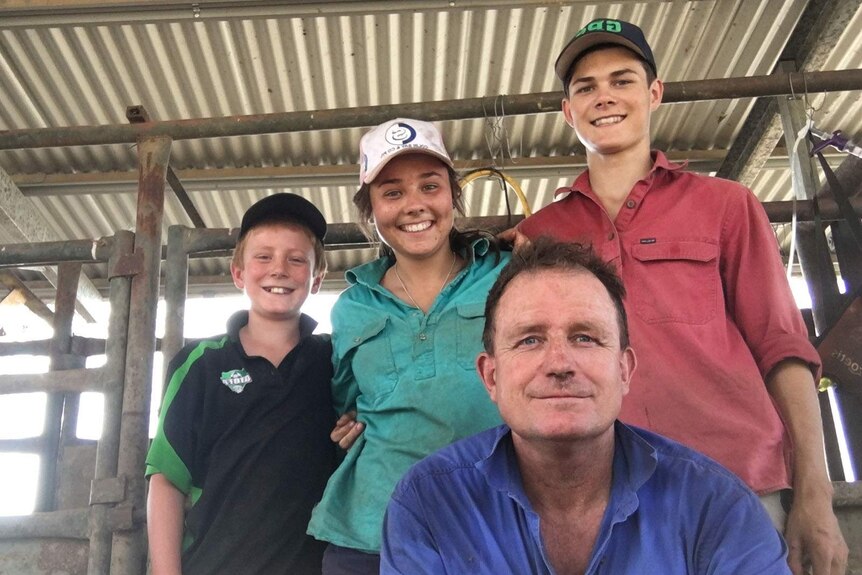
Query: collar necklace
[407, 291]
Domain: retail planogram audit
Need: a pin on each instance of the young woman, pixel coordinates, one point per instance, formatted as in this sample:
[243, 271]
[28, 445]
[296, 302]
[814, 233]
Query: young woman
[405, 336]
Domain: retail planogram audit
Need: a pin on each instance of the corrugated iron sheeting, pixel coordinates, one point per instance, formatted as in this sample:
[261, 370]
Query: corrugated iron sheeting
[83, 73]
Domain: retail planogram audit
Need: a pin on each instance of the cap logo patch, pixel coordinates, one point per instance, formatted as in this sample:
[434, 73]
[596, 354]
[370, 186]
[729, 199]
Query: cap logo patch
[600, 26]
[400, 134]
[378, 146]
[235, 379]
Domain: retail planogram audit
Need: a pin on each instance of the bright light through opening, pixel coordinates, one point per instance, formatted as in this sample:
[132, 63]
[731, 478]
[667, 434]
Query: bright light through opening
[12, 407]
[18, 483]
[843, 448]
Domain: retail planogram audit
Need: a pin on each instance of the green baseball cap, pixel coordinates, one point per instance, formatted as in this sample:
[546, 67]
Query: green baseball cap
[604, 31]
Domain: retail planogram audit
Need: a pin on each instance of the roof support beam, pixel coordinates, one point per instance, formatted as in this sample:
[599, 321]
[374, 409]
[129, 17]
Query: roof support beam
[359, 117]
[139, 115]
[98, 12]
[293, 177]
[811, 42]
[23, 223]
[19, 293]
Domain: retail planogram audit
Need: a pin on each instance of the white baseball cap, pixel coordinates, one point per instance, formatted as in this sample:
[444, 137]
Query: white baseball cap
[395, 137]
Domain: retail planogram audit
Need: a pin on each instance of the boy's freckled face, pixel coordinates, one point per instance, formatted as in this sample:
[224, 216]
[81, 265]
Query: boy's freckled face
[610, 102]
[277, 270]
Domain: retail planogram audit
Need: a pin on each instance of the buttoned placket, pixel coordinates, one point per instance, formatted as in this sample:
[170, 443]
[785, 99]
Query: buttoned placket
[610, 248]
[423, 326]
[613, 230]
[534, 522]
[423, 343]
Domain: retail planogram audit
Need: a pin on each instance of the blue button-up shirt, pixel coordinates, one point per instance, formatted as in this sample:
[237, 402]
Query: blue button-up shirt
[671, 510]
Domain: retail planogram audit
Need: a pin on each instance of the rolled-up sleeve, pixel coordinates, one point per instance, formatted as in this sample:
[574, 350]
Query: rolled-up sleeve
[758, 295]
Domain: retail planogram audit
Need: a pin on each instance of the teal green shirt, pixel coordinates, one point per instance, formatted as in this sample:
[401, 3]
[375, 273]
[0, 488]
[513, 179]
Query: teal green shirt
[412, 379]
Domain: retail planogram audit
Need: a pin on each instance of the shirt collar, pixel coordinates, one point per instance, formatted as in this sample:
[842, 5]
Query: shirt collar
[371, 273]
[500, 467]
[635, 461]
[660, 163]
[238, 320]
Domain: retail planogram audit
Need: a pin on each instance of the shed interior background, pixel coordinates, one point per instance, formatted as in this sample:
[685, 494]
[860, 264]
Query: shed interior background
[72, 63]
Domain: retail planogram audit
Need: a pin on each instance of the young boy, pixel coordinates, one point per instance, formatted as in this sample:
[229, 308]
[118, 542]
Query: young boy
[245, 422]
[725, 362]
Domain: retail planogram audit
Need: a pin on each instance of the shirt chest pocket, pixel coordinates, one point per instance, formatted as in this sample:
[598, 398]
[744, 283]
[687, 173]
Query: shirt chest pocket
[372, 362]
[674, 281]
[469, 325]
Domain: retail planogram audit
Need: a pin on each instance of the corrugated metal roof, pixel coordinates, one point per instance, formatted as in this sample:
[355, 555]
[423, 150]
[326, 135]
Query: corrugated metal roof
[67, 69]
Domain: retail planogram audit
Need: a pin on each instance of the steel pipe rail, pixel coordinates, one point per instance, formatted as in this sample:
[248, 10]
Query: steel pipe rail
[128, 547]
[47, 253]
[201, 242]
[107, 452]
[33, 347]
[68, 524]
[538, 103]
[198, 241]
[67, 380]
[23, 445]
[782, 212]
[81, 346]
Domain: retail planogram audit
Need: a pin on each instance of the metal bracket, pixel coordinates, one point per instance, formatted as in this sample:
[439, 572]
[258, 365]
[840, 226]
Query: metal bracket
[127, 265]
[108, 490]
[121, 518]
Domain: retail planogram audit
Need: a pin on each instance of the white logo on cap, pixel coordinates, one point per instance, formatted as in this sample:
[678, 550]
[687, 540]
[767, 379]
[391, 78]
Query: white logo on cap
[400, 134]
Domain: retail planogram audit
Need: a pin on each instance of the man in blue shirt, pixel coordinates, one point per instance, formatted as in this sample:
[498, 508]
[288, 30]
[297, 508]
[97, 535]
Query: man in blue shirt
[563, 487]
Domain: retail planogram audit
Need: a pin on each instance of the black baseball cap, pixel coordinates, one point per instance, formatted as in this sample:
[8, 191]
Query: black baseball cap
[273, 207]
[604, 31]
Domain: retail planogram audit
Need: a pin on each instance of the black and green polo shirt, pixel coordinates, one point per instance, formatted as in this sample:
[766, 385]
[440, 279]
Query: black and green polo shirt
[248, 442]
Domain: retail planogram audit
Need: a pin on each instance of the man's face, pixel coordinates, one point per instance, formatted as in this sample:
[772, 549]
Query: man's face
[610, 102]
[557, 372]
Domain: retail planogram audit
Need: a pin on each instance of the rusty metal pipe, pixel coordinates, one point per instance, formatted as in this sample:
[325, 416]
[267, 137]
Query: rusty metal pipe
[782, 212]
[690, 91]
[128, 548]
[45, 253]
[56, 413]
[107, 452]
[176, 288]
[200, 242]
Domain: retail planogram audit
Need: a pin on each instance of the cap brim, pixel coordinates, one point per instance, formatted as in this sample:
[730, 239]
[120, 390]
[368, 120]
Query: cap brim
[579, 45]
[372, 175]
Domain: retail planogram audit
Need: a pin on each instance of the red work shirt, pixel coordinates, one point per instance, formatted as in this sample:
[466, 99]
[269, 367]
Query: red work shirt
[709, 308]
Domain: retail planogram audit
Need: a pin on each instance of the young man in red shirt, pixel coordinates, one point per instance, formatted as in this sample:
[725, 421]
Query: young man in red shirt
[725, 363]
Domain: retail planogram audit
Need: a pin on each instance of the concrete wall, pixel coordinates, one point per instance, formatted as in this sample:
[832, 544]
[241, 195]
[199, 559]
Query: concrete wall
[43, 557]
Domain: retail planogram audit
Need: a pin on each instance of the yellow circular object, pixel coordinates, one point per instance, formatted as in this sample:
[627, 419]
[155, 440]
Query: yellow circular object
[488, 172]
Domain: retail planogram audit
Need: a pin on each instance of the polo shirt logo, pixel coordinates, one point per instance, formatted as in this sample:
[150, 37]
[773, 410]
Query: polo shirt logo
[235, 379]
